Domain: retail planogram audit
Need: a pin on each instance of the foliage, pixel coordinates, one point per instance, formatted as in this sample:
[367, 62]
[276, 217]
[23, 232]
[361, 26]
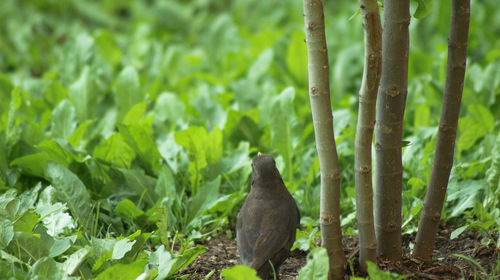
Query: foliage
[127, 127]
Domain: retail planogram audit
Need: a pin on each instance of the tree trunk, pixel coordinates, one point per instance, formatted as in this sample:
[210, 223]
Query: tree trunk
[364, 131]
[319, 95]
[389, 128]
[443, 158]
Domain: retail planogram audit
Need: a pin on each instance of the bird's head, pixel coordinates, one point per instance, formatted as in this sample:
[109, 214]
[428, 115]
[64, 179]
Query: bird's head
[264, 168]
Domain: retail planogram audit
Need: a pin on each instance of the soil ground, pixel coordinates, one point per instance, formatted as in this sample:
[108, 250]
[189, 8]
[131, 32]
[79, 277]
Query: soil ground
[222, 253]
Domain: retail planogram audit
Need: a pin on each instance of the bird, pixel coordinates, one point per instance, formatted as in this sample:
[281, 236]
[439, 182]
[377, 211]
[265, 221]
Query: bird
[267, 221]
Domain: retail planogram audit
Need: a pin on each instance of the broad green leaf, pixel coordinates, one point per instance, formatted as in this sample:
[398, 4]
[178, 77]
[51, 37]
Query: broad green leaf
[424, 8]
[108, 48]
[136, 113]
[75, 260]
[127, 91]
[71, 191]
[470, 132]
[296, 58]
[138, 138]
[46, 268]
[59, 151]
[194, 139]
[164, 261]
[376, 274]
[239, 272]
[116, 151]
[6, 232]
[454, 234]
[13, 131]
[280, 124]
[60, 246]
[29, 246]
[261, 64]
[187, 257]
[54, 217]
[126, 208]
[28, 198]
[124, 271]
[169, 108]
[9, 204]
[214, 145]
[121, 248]
[493, 172]
[207, 194]
[80, 136]
[141, 183]
[27, 221]
[84, 95]
[63, 121]
[317, 265]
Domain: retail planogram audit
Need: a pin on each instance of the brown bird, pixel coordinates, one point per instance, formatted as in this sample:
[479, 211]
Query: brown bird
[265, 229]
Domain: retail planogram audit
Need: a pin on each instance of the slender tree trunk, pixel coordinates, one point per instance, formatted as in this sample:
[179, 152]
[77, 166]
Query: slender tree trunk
[443, 158]
[389, 128]
[319, 95]
[364, 131]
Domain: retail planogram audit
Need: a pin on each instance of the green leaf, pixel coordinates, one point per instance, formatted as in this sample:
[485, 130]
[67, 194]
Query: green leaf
[136, 113]
[28, 247]
[296, 58]
[46, 268]
[141, 183]
[54, 217]
[187, 257]
[169, 108]
[207, 194]
[60, 246]
[376, 274]
[71, 191]
[13, 131]
[164, 261]
[261, 64]
[9, 204]
[424, 8]
[84, 96]
[121, 248]
[317, 265]
[124, 271]
[63, 121]
[80, 136]
[280, 124]
[108, 48]
[239, 272]
[127, 92]
[6, 232]
[27, 221]
[454, 234]
[126, 208]
[75, 260]
[138, 138]
[116, 151]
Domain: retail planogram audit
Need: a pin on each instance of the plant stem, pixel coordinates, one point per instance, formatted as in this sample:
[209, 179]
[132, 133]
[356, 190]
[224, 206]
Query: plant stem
[364, 131]
[389, 128]
[445, 147]
[319, 95]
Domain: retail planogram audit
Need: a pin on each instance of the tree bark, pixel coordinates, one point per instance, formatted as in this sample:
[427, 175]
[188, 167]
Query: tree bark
[443, 158]
[389, 128]
[364, 131]
[319, 95]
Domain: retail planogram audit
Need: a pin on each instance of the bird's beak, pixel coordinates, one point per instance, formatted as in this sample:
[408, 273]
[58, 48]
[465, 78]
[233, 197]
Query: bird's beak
[259, 154]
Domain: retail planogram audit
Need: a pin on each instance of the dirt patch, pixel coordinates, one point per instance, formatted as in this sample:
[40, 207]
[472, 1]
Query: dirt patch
[222, 253]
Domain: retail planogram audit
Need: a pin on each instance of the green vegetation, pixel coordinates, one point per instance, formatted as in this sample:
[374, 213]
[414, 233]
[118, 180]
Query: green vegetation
[127, 127]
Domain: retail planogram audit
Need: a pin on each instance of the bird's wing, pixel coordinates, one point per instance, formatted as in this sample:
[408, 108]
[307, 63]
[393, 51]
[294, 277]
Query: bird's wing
[245, 238]
[268, 244]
